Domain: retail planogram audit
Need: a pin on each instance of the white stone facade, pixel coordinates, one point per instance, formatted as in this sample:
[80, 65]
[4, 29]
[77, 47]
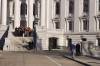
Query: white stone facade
[71, 23]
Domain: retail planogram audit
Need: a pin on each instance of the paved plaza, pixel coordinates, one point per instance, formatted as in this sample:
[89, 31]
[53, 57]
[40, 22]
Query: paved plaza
[34, 59]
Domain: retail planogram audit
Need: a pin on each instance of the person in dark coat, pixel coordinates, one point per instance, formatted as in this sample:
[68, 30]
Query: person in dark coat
[78, 52]
[72, 50]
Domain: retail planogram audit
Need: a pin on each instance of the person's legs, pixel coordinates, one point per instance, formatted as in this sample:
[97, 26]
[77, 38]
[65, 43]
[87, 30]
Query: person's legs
[73, 53]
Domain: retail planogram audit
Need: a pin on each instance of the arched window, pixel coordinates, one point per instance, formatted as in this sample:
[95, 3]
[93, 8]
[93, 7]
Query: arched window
[70, 25]
[85, 25]
[23, 9]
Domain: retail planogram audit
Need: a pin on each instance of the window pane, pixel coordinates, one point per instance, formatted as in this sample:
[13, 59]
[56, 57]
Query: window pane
[23, 8]
[57, 25]
[99, 42]
[86, 6]
[85, 25]
[99, 5]
[99, 24]
[58, 8]
[71, 6]
[70, 25]
[34, 10]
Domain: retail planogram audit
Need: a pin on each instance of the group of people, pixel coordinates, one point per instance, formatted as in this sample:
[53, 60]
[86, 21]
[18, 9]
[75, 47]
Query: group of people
[75, 50]
[23, 31]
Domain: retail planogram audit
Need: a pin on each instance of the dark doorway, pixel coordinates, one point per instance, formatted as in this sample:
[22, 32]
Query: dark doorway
[84, 39]
[23, 23]
[83, 45]
[53, 43]
[69, 41]
[98, 42]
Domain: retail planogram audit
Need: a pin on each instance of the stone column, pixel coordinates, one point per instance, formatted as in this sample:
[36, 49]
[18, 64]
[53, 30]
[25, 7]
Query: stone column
[4, 12]
[17, 13]
[67, 8]
[11, 8]
[30, 13]
[48, 13]
[97, 6]
[54, 8]
[43, 12]
[80, 7]
[66, 14]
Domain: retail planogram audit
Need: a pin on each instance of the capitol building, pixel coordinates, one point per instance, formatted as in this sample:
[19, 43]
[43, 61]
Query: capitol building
[58, 22]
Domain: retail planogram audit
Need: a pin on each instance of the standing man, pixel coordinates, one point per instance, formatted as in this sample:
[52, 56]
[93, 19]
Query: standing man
[34, 35]
[78, 52]
[72, 50]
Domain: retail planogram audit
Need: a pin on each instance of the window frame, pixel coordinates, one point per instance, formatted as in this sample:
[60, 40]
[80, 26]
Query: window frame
[85, 25]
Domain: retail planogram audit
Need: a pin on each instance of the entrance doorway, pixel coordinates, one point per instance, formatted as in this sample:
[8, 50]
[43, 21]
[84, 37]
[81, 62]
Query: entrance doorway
[84, 39]
[69, 41]
[53, 43]
[98, 42]
[23, 23]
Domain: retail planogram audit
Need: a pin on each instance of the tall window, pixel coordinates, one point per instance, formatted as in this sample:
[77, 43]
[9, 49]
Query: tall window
[99, 5]
[13, 7]
[98, 42]
[57, 8]
[86, 6]
[57, 25]
[71, 6]
[70, 25]
[85, 25]
[98, 24]
[34, 9]
[23, 9]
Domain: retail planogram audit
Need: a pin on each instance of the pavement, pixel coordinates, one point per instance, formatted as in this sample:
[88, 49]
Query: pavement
[41, 58]
[44, 58]
[86, 60]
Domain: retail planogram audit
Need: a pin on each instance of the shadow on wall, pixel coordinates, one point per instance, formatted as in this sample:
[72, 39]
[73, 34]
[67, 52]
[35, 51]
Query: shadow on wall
[89, 48]
[2, 39]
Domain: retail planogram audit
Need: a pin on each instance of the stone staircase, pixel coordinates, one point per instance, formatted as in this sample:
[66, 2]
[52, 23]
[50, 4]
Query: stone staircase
[13, 43]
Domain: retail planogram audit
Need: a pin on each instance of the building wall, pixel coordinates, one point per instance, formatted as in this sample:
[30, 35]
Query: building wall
[0, 11]
[47, 20]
